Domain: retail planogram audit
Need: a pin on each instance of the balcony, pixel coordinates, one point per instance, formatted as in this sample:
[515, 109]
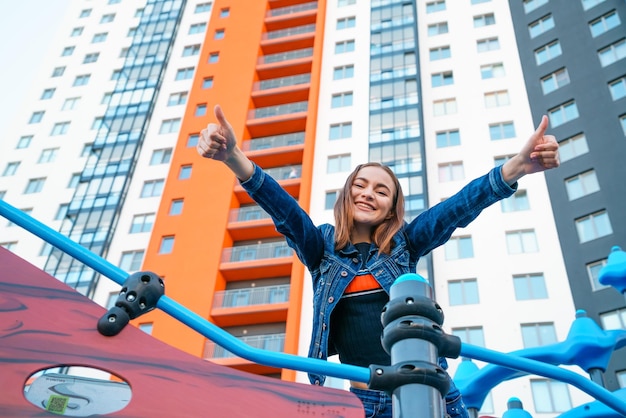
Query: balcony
[288, 177]
[261, 260]
[266, 150]
[289, 117]
[249, 223]
[251, 305]
[287, 61]
[291, 10]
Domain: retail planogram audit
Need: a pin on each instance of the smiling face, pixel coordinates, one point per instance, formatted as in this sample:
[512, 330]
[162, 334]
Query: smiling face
[372, 193]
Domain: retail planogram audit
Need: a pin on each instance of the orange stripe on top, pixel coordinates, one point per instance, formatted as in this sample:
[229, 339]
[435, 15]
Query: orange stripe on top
[362, 283]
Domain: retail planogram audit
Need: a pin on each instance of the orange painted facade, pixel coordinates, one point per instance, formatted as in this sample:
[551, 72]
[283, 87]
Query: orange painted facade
[198, 270]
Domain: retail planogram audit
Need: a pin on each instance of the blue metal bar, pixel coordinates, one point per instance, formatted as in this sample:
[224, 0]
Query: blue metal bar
[546, 370]
[179, 312]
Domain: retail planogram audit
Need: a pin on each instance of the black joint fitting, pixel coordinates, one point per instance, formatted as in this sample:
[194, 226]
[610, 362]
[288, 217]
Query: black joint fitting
[389, 378]
[139, 294]
[412, 305]
[417, 327]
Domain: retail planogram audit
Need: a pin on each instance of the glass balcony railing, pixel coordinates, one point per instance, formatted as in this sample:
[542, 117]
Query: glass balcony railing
[286, 172]
[259, 251]
[270, 342]
[247, 213]
[274, 141]
[279, 110]
[275, 83]
[251, 296]
[286, 56]
[283, 33]
[281, 11]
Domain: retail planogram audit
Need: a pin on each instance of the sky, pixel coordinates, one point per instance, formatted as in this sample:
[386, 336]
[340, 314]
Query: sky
[27, 28]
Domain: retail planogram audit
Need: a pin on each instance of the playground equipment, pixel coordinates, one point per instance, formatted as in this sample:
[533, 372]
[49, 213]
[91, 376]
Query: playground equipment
[46, 324]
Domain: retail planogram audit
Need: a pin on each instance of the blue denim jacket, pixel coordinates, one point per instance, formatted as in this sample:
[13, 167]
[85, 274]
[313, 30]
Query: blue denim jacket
[332, 270]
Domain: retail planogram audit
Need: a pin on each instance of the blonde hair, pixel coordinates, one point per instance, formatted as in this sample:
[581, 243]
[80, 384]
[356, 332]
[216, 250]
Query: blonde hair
[344, 213]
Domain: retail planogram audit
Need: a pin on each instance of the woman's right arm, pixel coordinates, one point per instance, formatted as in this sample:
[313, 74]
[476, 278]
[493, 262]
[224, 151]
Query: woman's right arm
[218, 142]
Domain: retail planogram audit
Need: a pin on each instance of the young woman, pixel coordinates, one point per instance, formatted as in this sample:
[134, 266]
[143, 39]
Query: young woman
[354, 263]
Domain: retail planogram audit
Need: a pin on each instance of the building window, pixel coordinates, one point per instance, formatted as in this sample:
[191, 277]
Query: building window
[169, 126]
[9, 245]
[437, 28]
[184, 73]
[24, 142]
[540, 26]
[573, 147]
[554, 81]
[185, 172]
[497, 99]
[340, 131]
[47, 94]
[548, 52]
[341, 100]
[161, 156]
[448, 138]
[345, 71]
[200, 110]
[84, 13]
[451, 172]
[99, 37]
[550, 396]
[435, 6]
[81, 80]
[444, 107]
[588, 4]
[582, 184]
[107, 18]
[61, 211]
[521, 242]
[214, 57]
[489, 44]
[74, 180]
[89, 58]
[176, 207]
[615, 319]
[10, 169]
[36, 117]
[463, 292]
[538, 334]
[342, 3]
[492, 71]
[152, 188]
[530, 5]
[439, 53]
[618, 88]
[593, 226]
[484, 20]
[176, 99]
[338, 164]
[621, 378]
[470, 335]
[530, 286]
[515, 203]
[77, 31]
[344, 46]
[191, 50]
[330, 199]
[48, 155]
[131, 260]
[593, 273]
[346, 22]
[131, 32]
[167, 245]
[207, 82]
[562, 114]
[60, 128]
[442, 79]
[34, 185]
[192, 140]
[67, 51]
[502, 130]
[225, 12]
[604, 23]
[203, 7]
[622, 121]
[142, 223]
[197, 28]
[146, 327]
[459, 247]
[70, 103]
[58, 71]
